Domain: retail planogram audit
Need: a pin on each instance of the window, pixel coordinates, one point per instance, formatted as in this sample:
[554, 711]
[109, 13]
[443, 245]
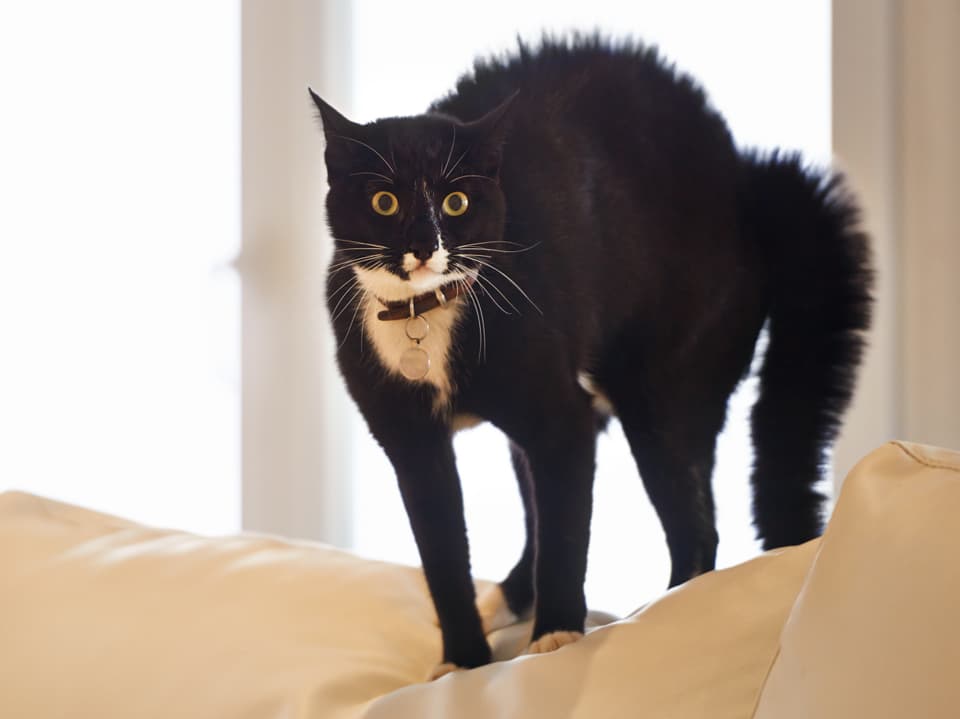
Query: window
[119, 310]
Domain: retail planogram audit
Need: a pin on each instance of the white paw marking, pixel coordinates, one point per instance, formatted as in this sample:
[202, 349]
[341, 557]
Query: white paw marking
[442, 670]
[389, 338]
[601, 403]
[494, 612]
[552, 641]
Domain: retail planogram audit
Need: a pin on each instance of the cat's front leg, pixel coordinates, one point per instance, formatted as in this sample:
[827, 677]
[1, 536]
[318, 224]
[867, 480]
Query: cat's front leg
[423, 458]
[561, 461]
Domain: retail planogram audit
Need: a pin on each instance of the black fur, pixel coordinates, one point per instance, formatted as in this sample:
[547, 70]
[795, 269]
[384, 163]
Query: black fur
[655, 254]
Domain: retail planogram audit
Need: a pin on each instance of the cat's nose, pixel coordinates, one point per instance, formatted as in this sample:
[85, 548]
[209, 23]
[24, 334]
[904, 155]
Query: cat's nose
[423, 250]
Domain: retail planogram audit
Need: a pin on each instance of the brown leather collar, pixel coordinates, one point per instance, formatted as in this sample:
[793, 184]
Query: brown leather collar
[404, 309]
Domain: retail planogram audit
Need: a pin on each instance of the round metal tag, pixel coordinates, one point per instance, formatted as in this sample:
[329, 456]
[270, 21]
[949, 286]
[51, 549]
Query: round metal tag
[414, 363]
[417, 328]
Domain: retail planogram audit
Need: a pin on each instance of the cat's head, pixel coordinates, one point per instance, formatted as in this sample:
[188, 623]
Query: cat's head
[411, 198]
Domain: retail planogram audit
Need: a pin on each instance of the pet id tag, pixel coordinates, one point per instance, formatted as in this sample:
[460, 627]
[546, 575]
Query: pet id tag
[415, 362]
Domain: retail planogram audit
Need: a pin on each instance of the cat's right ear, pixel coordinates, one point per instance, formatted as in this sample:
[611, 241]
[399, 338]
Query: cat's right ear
[338, 131]
[333, 122]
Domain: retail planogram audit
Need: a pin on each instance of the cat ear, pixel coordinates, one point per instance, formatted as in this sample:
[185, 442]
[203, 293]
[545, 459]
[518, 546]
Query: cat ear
[342, 137]
[333, 122]
[490, 133]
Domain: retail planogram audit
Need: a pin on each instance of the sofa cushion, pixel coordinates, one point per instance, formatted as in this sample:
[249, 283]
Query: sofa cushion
[875, 630]
[100, 617]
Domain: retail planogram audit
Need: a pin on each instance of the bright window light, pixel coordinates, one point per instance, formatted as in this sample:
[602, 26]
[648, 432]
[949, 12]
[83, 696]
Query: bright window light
[119, 312]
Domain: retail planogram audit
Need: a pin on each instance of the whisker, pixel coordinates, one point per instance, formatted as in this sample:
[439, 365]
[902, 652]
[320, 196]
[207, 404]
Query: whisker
[500, 242]
[356, 293]
[363, 244]
[340, 266]
[354, 262]
[359, 142]
[341, 304]
[363, 317]
[464, 177]
[358, 261]
[462, 284]
[351, 281]
[376, 174]
[335, 270]
[485, 246]
[353, 319]
[443, 172]
[351, 260]
[344, 257]
[450, 171]
[476, 310]
[483, 282]
[505, 276]
[483, 323]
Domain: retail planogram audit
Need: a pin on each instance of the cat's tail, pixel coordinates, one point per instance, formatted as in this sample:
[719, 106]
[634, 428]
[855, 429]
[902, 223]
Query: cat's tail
[806, 225]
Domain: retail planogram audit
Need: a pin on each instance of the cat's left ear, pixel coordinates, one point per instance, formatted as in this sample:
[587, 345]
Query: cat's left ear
[490, 135]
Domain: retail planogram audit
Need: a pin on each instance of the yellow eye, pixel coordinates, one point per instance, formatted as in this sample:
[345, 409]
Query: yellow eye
[455, 204]
[385, 203]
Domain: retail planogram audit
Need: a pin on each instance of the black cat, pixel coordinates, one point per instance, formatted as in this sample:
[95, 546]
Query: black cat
[572, 232]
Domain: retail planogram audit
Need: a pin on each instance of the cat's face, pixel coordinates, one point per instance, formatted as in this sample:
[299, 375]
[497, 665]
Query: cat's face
[411, 198]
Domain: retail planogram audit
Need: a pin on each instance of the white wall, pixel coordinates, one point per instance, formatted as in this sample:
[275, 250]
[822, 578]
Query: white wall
[896, 113]
[930, 220]
[296, 477]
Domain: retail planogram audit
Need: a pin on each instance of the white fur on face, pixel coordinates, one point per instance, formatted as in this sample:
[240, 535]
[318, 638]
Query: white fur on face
[391, 288]
[422, 275]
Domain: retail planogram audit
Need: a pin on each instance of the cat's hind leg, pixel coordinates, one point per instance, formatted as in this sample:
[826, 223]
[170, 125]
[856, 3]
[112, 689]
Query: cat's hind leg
[676, 473]
[672, 432]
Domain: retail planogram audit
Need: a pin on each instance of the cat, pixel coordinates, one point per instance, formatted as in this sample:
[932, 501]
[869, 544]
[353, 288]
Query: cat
[570, 234]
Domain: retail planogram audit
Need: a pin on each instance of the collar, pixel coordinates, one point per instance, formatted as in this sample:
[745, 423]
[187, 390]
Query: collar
[417, 305]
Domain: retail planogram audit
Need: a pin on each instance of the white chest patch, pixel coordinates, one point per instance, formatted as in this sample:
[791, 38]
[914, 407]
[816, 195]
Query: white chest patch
[389, 338]
[601, 403]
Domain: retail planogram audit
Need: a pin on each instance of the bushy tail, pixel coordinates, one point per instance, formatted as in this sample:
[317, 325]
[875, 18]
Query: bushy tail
[819, 308]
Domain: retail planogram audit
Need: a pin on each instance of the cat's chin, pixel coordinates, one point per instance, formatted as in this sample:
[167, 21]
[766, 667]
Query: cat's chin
[388, 286]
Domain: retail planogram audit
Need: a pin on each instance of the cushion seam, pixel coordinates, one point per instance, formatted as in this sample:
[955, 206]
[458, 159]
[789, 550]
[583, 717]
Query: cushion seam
[923, 460]
[766, 676]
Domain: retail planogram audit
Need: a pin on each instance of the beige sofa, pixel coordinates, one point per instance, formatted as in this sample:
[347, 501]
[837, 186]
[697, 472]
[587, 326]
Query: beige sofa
[106, 618]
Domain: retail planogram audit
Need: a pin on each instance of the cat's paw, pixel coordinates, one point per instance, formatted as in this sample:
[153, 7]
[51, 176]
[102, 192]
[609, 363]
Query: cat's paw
[494, 612]
[552, 641]
[442, 670]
